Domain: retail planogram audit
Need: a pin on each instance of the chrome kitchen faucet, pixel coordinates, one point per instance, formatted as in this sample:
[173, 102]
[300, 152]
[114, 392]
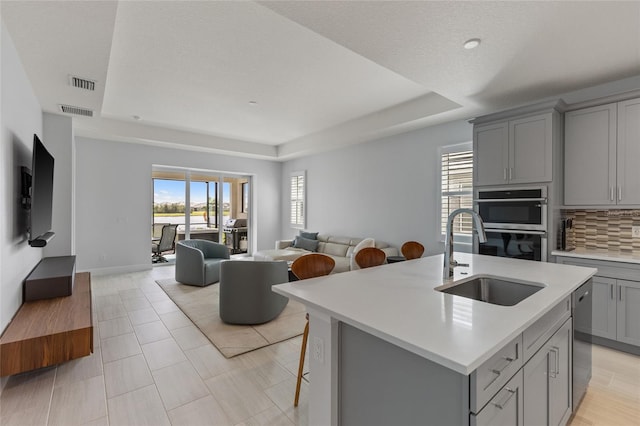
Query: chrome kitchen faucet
[449, 262]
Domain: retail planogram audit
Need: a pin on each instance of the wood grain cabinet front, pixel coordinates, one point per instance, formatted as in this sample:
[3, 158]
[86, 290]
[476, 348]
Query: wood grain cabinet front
[49, 331]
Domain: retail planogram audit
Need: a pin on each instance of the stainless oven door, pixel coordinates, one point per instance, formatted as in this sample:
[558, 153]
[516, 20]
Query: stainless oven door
[514, 214]
[514, 243]
[513, 209]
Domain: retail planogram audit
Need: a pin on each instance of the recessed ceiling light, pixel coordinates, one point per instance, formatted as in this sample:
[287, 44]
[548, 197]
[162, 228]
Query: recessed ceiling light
[472, 43]
[253, 103]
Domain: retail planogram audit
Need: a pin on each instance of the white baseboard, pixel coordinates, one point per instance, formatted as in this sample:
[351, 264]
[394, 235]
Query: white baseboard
[118, 269]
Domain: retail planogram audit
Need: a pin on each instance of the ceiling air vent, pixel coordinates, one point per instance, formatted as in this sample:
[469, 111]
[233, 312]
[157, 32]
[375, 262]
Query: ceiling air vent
[82, 83]
[76, 110]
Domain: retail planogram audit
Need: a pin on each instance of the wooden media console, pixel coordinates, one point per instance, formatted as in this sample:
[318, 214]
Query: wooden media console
[49, 331]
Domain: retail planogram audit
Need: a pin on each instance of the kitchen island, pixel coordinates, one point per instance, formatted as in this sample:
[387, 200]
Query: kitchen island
[384, 345]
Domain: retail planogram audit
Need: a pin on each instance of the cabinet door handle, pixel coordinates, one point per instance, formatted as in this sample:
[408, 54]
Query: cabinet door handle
[620, 293]
[556, 354]
[499, 370]
[612, 296]
[504, 174]
[586, 293]
[611, 193]
[510, 393]
[510, 173]
[619, 193]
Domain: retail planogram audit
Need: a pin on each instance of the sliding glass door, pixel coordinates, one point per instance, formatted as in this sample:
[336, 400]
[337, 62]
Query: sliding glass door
[218, 206]
[204, 223]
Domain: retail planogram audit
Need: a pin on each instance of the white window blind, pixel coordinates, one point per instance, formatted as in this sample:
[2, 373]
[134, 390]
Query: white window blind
[457, 186]
[297, 199]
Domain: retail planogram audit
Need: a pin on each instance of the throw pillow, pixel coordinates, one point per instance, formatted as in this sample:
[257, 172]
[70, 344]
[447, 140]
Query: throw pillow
[309, 235]
[367, 242]
[306, 243]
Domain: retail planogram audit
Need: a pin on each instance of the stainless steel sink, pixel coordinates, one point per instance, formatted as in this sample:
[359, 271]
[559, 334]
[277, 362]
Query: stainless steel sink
[492, 290]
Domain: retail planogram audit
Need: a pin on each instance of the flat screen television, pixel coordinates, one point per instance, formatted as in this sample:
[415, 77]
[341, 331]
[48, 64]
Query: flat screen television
[41, 211]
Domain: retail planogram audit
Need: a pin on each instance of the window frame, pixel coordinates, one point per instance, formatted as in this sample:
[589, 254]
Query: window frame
[300, 200]
[443, 150]
[244, 208]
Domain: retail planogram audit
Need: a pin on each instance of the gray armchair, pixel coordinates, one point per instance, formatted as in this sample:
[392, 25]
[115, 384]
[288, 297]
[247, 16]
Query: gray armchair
[198, 261]
[245, 291]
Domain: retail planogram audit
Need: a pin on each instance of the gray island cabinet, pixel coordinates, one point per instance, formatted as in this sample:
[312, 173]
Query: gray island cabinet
[386, 347]
[383, 384]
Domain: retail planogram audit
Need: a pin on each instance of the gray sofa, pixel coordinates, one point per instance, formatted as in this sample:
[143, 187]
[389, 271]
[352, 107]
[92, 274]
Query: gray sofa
[245, 291]
[198, 261]
[338, 247]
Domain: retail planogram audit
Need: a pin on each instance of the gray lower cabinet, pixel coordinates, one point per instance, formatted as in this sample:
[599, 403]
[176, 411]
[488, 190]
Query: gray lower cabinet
[547, 378]
[604, 308]
[628, 312]
[505, 408]
[616, 300]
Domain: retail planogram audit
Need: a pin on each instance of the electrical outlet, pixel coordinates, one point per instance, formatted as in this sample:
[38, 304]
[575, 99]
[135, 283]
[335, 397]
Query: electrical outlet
[317, 350]
[635, 231]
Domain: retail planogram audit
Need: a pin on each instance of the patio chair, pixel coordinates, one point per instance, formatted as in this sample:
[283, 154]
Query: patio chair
[166, 243]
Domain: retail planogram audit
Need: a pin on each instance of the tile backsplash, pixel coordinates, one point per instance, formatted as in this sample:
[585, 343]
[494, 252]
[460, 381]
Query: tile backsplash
[603, 230]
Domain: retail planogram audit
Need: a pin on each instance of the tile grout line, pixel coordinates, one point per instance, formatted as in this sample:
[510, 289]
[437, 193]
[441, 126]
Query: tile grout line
[53, 386]
[104, 384]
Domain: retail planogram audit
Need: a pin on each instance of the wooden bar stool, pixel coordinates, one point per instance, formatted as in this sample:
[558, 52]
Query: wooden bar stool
[412, 250]
[309, 266]
[370, 256]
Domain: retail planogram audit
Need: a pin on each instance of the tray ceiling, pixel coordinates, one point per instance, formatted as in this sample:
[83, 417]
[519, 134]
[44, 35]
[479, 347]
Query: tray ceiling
[280, 79]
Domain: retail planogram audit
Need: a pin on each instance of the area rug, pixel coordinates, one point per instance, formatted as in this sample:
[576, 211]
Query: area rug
[200, 304]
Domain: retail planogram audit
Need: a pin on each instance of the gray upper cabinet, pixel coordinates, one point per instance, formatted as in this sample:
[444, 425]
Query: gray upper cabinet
[516, 151]
[628, 150]
[530, 142]
[602, 148]
[589, 156]
[491, 146]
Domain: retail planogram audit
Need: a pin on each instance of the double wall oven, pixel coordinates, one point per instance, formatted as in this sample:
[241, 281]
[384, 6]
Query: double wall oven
[515, 222]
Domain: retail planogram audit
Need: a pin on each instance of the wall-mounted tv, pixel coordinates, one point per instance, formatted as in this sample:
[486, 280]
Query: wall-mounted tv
[40, 217]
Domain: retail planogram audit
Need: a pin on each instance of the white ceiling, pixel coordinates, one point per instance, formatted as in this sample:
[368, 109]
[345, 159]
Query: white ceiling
[323, 74]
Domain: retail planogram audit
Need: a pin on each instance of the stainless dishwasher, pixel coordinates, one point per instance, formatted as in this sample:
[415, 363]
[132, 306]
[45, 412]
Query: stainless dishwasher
[581, 304]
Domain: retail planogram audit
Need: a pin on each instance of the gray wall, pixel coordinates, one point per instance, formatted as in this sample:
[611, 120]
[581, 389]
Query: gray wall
[58, 137]
[21, 117]
[387, 189]
[114, 195]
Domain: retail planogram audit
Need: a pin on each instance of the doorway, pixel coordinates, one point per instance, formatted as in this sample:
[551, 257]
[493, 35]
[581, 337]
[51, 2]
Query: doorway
[218, 206]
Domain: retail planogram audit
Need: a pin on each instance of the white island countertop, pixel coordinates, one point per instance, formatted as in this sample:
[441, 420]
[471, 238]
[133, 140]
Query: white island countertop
[398, 303]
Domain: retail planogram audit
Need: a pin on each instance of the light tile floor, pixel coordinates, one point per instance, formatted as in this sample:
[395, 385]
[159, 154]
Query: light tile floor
[152, 366]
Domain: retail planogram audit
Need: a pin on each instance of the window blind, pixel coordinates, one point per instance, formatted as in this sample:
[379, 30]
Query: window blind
[457, 189]
[297, 199]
